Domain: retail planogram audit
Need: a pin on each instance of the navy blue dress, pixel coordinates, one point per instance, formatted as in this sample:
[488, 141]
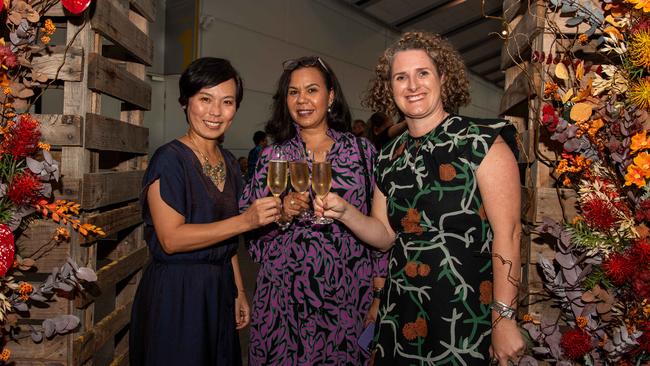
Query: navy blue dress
[183, 312]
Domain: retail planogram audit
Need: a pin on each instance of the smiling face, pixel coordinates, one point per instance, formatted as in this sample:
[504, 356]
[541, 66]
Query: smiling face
[308, 98]
[211, 110]
[416, 85]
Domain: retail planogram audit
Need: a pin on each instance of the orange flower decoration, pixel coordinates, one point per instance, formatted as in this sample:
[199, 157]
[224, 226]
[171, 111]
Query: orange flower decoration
[411, 222]
[643, 162]
[4, 356]
[447, 172]
[640, 141]
[634, 176]
[411, 269]
[421, 327]
[581, 321]
[424, 270]
[485, 290]
[409, 331]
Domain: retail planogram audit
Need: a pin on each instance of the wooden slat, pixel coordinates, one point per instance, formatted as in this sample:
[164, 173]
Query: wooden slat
[53, 66]
[121, 360]
[519, 41]
[512, 8]
[106, 188]
[37, 236]
[103, 133]
[115, 220]
[115, 25]
[549, 204]
[524, 87]
[107, 78]
[84, 346]
[146, 8]
[51, 352]
[60, 129]
[55, 11]
[116, 271]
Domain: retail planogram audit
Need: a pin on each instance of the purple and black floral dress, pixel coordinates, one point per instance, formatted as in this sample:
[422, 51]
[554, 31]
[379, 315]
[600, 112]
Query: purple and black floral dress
[314, 286]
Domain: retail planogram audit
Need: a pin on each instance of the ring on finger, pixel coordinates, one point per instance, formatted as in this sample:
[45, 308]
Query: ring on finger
[292, 202]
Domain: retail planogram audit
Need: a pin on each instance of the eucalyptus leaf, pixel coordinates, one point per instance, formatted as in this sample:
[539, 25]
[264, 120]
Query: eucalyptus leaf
[86, 274]
[63, 286]
[65, 323]
[37, 337]
[48, 328]
[575, 21]
[38, 297]
[21, 306]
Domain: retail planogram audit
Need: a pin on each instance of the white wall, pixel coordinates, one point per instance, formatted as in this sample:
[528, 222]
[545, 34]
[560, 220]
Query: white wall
[257, 35]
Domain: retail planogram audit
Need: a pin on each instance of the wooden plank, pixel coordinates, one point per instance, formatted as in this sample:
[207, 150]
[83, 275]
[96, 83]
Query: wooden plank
[517, 46]
[523, 88]
[550, 201]
[115, 220]
[107, 78]
[103, 133]
[37, 241]
[512, 8]
[84, 346]
[527, 207]
[146, 8]
[59, 64]
[106, 188]
[51, 352]
[60, 129]
[115, 25]
[55, 10]
[116, 271]
[121, 360]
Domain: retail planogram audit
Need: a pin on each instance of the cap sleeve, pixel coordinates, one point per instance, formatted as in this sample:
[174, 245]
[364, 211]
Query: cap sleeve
[166, 166]
[481, 134]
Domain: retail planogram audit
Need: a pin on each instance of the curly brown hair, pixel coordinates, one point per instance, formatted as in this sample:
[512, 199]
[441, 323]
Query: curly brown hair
[455, 88]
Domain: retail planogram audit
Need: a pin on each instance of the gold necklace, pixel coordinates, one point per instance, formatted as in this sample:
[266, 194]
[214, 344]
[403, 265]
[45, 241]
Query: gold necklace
[217, 172]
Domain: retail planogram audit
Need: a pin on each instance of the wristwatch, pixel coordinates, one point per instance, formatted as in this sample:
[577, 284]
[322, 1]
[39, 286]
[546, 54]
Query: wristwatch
[377, 292]
[503, 310]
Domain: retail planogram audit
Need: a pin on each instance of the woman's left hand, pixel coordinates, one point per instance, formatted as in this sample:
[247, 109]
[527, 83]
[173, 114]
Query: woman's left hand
[371, 315]
[507, 342]
[242, 310]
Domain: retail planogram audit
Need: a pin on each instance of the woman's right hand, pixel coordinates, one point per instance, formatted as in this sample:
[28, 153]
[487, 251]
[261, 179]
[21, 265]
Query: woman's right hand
[263, 212]
[332, 205]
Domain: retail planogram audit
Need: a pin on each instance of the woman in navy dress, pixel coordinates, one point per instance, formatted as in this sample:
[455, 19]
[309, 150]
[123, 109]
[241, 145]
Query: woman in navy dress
[191, 300]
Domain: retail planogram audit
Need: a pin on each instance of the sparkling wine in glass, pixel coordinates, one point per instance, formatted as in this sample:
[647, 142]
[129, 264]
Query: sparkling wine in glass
[321, 181]
[299, 174]
[277, 177]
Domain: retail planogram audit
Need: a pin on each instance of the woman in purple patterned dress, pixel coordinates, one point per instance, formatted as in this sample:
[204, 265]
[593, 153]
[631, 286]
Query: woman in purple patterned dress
[315, 285]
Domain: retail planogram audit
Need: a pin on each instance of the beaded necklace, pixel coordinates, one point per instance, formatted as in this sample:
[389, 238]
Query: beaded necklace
[217, 172]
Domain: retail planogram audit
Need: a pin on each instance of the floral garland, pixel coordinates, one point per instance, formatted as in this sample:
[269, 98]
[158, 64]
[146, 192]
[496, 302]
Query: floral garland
[26, 172]
[598, 114]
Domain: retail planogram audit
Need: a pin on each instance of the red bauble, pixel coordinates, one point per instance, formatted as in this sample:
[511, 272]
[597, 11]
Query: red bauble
[7, 248]
[76, 7]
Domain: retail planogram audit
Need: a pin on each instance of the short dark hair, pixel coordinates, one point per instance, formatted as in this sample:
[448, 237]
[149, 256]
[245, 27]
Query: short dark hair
[280, 126]
[377, 119]
[206, 72]
[258, 136]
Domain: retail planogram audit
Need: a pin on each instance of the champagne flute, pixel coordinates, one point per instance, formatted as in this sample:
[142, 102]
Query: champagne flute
[321, 180]
[299, 174]
[277, 177]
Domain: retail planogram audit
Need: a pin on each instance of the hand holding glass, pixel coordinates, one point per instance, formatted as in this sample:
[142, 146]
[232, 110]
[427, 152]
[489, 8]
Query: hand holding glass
[321, 180]
[277, 177]
[299, 173]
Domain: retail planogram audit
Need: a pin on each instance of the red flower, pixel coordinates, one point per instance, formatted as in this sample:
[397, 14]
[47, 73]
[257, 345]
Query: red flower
[24, 189]
[575, 343]
[22, 140]
[618, 268]
[598, 214]
[640, 253]
[643, 211]
[644, 340]
[7, 58]
[641, 284]
[549, 119]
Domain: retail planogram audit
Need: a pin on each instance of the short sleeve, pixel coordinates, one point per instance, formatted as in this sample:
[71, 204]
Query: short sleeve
[166, 166]
[481, 134]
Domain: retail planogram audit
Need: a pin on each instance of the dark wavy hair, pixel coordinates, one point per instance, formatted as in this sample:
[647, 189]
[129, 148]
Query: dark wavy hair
[206, 72]
[280, 126]
[449, 63]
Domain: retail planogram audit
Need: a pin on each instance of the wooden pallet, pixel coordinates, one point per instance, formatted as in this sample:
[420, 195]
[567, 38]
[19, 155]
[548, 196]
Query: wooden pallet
[102, 161]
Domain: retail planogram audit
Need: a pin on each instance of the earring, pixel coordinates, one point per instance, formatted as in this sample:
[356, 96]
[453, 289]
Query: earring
[329, 108]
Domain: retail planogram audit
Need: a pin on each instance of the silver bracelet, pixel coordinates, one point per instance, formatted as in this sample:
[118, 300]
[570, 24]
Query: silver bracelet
[503, 310]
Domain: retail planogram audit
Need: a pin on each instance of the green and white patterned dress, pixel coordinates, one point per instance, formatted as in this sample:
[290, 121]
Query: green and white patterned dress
[435, 308]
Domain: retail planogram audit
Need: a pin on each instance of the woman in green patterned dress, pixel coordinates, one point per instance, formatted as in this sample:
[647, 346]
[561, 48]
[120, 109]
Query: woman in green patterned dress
[448, 204]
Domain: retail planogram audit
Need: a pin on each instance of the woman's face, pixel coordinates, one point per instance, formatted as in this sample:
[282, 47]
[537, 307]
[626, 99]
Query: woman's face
[308, 97]
[416, 84]
[211, 110]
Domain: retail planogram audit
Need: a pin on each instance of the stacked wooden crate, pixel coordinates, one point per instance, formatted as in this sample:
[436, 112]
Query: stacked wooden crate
[101, 162]
[526, 72]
